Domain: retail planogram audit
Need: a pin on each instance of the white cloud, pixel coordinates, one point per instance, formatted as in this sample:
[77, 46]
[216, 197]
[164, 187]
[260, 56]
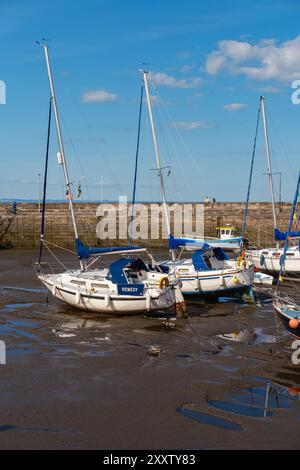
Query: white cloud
[187, 68]
[265, 60]
[235, 106]
[270, 89]
[98, 96]
[188, 126]
[163, 79]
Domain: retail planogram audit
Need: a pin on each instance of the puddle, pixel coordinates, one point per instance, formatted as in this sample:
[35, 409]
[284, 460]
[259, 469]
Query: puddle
[259, 401]
[24, 289]
[249, 336]
[17, 306]
[10, 427]
[240, 409]
[8, 330]
[208, 419]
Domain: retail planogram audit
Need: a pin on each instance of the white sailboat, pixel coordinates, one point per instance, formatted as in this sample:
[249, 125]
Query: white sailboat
[285, 307]
[208, 272]
[268, 259]
[127, 286]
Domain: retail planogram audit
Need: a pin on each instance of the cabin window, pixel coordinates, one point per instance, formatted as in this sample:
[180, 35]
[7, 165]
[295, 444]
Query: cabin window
[78, 283]
[290, 254]
[265, 252]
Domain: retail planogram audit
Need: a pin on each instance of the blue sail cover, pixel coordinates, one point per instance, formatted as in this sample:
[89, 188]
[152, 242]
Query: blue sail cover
[186, 242]
[85, 252]
[278, 235]
[199, 262]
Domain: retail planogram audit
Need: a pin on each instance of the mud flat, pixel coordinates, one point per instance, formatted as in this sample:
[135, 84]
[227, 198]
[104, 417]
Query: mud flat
[83, 381]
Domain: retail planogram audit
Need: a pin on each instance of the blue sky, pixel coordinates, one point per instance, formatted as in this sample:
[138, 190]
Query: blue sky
[210, 62]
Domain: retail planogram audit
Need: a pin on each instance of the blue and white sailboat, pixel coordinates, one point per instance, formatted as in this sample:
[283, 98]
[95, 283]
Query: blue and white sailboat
[284, 306]
[268, 259]
[208, 272]
[127, 285]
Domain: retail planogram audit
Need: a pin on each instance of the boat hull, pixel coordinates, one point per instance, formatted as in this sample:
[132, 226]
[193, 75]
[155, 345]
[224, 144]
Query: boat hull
[115, 304]
[285, 319]
[271, 263]
[216, 283]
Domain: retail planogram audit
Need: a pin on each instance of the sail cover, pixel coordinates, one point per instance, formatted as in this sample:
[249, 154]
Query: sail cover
[85, 252]
[278, 235]
[186, 243]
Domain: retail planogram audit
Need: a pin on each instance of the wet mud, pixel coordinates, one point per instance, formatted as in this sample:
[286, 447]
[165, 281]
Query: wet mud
[221, 379]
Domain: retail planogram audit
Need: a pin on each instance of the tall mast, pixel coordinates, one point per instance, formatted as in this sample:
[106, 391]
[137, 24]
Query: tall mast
[158, 163]
[270, 174]
[61, 145]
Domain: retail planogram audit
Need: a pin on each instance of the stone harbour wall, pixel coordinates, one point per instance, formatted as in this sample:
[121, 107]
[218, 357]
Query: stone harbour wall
[23, 229]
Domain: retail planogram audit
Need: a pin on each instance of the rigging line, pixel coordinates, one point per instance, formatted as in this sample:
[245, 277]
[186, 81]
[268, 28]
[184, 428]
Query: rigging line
[178, 160]
[50, 251]
[166, 138]
[177, 130]
[151, 181]
[250, 177]
[292, 169]
[60, 247]
[136, 163]
[75, 152]
[45, 184]
[100, 151]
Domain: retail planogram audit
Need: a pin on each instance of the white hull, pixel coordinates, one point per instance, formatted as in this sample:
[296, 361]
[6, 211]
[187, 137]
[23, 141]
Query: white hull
[106, 299]
[263, 279]
[269, 259]
[214, 282]
[228, 244]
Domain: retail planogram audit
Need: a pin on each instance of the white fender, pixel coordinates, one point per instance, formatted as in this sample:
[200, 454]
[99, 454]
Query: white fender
[178, 295]
[107, 300]
[148, 300]
[53, 290]
[77, 297]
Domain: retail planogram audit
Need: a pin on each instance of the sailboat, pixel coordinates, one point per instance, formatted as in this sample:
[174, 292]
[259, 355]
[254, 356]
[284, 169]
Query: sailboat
[268, 259]
[208, 272]
[284, 306]
[128, 285]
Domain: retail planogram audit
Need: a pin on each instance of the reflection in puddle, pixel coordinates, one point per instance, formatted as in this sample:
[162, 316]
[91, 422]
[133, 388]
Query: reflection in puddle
[208, 419]
[249, 336]
[240, 409]
[258, 401]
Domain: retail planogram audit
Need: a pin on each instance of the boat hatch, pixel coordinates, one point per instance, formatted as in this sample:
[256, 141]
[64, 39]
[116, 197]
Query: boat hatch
[78, 283]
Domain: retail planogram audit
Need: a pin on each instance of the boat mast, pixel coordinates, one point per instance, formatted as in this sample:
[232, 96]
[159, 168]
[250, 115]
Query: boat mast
[158, 163]
[61, 146]
[270, 174]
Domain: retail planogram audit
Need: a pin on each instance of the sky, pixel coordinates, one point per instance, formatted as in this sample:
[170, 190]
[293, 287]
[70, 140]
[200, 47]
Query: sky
[209, 63]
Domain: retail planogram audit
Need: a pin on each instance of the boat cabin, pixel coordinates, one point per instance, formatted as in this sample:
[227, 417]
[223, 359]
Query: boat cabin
[226, 231]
